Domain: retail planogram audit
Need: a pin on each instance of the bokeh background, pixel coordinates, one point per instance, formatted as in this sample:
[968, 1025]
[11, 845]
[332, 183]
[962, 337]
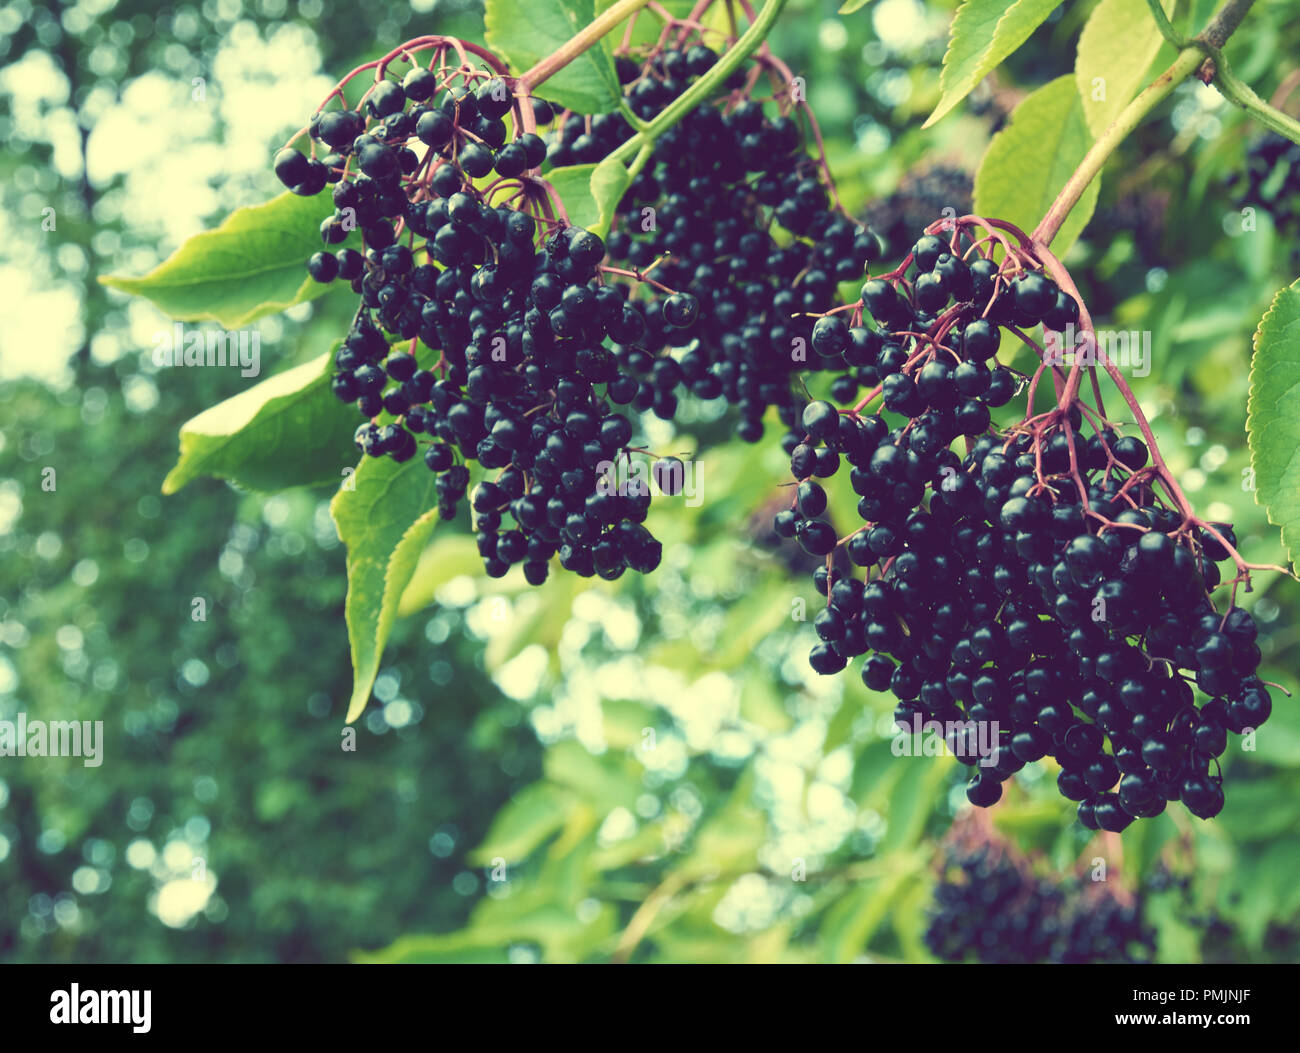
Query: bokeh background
[645, 770]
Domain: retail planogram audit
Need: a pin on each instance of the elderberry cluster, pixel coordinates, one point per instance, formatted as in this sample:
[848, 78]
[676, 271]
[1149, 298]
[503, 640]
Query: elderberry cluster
[1272, 182]
[990, 906]
[1034, 585]
[923, 196]
[732, 211]
[510, 304]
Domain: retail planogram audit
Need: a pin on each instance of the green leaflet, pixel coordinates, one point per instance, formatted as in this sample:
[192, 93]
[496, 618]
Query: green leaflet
[384, 518]
[1115, 50]
[464, 947]
[526, 31]
[1029, 161]
[591, 192]
[1273, 415]
[983, 34]
[289, 430]
[447, 558]
[251, 266]
[529, 819]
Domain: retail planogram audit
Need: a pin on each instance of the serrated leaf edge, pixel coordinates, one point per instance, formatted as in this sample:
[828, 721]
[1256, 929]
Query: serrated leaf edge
[1291, 544]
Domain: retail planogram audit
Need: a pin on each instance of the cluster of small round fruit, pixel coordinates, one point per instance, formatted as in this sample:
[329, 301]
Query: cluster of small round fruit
[538, 340]
[485, 327]
[991, 906]
[1043, 590]
[1038, 583]
[1271, 181]
[732, 209]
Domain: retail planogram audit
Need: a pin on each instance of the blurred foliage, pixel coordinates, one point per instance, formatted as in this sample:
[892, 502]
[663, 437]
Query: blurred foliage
[206, 635]
[644, 770]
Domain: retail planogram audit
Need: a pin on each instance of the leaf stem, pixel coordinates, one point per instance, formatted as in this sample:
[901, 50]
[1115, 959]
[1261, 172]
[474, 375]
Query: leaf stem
[590, 35]
[639, 162]
[1129, 118]
[706, 86]
[1225, 22]
[1236, 90]
[1201, 51]
[1166, 27]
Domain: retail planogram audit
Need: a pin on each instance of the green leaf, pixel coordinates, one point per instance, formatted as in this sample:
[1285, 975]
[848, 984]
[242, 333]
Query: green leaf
[609, 182]
[648, 26]
[874, 764]
[531, 817]
[540, 620]
[1273, 415]
[562, 936]
[253, 265]
[761, 703]
[854, 919]
[526, 31]
[623, 722]
[914, 799]
[983, 34]
[1030, 160]
[605, 782]
[1143, 843]
[1262, 809]
[573, 184]
[465, 947]
[385, 519]
[289, 430]
[447, 558]
[591, 193]
[839, 729]
[729, 840]
[1115, 50]
[1278, 741]
[910, 919]
[1176, 940]
[1261, 890]
[755, 616]
[850, 6]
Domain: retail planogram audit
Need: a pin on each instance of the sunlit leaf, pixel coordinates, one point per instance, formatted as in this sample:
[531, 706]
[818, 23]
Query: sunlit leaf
[252, 265]
[1273, 421]
[984, 32]
[526, 31]
[289, 430]
[1029, 161]
[1116, 48]
[385, 517]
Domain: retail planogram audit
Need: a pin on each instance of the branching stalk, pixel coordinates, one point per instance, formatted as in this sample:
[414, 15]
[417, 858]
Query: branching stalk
[1129, 118]
[707, 85]
[1204, 51]
[1166, 27]
[1237, 91]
